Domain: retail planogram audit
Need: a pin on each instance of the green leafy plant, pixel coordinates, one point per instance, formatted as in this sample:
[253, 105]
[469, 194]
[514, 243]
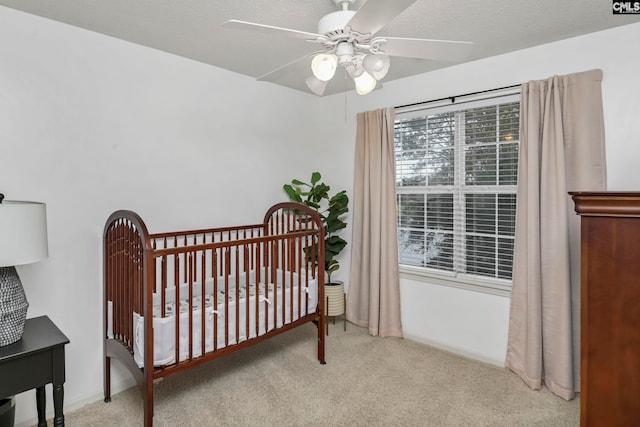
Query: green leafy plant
[330, 208]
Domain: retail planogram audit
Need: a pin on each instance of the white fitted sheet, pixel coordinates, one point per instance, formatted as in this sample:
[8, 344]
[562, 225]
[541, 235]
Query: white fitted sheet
[164, 327]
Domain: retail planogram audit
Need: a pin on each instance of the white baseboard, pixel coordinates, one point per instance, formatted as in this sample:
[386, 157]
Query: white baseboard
[116, 387]
[455, 350]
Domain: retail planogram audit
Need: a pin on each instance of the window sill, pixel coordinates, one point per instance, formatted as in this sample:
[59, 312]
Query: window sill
[461, 281]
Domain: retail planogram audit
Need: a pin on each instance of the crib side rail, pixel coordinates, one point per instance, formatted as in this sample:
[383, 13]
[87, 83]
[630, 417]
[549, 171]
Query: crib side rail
[231, 275]
[212, 296]
[204, 236]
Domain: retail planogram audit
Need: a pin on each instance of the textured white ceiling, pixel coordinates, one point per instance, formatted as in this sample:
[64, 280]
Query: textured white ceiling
[192, 28]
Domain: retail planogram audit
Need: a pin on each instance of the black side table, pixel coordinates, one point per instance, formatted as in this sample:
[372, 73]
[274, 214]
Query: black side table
[33, 362]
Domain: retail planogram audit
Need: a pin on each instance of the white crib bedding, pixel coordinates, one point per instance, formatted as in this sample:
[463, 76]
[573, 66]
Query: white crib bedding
[164, 327]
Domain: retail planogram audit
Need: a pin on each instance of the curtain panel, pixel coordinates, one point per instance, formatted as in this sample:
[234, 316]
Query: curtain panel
[374, 285]
[561, 149]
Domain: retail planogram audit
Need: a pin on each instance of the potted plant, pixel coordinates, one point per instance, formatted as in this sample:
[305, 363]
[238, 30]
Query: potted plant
[330, 208]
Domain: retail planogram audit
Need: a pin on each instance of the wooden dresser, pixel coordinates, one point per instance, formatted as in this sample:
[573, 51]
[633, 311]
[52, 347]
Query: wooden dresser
[610, 308]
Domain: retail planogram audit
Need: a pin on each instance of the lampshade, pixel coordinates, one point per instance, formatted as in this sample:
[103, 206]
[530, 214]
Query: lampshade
[23, 232]
[324, 66]
[23, 240]
[377, 65]
[365, 83]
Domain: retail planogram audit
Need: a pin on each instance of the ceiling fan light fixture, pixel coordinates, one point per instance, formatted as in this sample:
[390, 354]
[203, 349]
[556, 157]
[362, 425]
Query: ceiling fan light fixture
[324, 66]
[365, 83]
[349, 40]
[316, 85]
[345, 53]
[377, 65]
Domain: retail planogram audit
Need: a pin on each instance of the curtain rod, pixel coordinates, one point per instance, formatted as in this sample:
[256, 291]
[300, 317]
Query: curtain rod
[453, 98]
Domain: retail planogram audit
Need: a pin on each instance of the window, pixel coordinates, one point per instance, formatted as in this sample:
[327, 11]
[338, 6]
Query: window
[456, 179]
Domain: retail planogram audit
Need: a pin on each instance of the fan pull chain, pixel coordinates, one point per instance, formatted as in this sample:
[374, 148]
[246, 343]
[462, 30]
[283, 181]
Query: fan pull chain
[345, 96]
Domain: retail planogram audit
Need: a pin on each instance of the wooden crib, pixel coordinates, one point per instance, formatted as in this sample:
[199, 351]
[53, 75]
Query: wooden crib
[175, 300]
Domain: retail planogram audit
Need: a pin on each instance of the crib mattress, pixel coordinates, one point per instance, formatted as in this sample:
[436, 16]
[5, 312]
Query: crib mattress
[227, 318]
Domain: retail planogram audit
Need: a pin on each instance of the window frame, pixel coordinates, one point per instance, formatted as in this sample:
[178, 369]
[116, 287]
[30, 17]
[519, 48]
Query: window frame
[483, 284]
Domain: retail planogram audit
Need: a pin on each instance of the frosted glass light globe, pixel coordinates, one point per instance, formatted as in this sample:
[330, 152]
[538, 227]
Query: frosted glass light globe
[324, 66]
[377, 65]
[365, 83]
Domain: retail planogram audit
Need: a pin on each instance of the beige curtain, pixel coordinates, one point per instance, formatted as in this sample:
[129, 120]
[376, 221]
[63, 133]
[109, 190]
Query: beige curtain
[374, 287]
[561, 149]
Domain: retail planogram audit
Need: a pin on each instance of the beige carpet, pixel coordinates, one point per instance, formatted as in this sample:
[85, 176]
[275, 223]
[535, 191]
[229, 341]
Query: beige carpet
[366, 381]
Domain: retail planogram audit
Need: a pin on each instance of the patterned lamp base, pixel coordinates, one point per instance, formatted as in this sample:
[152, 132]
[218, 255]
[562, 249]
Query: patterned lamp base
[13, 306]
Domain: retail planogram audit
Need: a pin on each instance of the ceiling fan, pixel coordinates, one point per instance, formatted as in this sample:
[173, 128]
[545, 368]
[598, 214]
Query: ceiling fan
[347, 39]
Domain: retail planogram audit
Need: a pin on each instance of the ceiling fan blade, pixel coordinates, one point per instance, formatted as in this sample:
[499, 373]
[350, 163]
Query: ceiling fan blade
[375, 14]
[437, 50]
[269, 29]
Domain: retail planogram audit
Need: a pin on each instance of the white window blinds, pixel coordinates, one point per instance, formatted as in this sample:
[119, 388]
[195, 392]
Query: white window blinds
[456, 176]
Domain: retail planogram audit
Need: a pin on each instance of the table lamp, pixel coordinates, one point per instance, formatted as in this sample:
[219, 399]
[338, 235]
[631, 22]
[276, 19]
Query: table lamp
[23, 240]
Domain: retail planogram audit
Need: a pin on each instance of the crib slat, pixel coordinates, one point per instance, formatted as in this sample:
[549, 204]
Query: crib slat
[227, 267]
[190, 256]
[257, 287]
[117, 283]
[163, 287]
[214, 274]
[272, 276]
[184, 270]
[121, 283]
[130, 290]
[283, 268]
[237, 293]
[247, 289]
[176, 304]
[203, 301]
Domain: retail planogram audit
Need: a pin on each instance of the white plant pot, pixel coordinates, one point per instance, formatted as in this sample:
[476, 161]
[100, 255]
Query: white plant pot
[335, 294]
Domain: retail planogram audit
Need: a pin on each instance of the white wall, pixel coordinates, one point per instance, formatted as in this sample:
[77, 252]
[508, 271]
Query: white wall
[90, 124]
[473, 323]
